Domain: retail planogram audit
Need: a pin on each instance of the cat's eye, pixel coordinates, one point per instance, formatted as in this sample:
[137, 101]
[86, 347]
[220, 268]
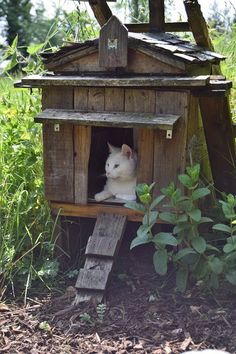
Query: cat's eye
[116, 165]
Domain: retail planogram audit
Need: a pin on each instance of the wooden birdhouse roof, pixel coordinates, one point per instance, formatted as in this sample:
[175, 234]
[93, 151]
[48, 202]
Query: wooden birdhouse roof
[162, 46]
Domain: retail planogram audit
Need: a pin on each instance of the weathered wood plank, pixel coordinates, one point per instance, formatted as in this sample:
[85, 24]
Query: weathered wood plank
[113, 44]
[101, 246]
[82, 142]
[107, 235]
[106, 119]
[96, 99]
[114, 99]
[58, 162]
[139, 81]
[168, 27]
[101, 11]
[93, 210]
[81, 98]
[169, 155]
[157, 15]
[145, 146]
[218, 129]
[58, 149]
[92, 279]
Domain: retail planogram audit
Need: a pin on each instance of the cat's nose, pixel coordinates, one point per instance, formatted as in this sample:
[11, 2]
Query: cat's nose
[108, 174]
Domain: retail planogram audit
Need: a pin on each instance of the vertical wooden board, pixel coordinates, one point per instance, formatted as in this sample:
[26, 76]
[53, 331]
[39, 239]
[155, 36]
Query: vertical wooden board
[81, 98]
[114, 99]
[82, 142]
[169, 154]
[142, 100]
[145, 140]
[96, 99]
[157, 15]
[58, 163]
[57, 97]
[113, 44]
[58, 148]
[196, 143]
[218, 129]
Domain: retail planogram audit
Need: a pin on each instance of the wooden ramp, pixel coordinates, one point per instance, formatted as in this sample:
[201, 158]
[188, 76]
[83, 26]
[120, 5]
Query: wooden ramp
[101, 250]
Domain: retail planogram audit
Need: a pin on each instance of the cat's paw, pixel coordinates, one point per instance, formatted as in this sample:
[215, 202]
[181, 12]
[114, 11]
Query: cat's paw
[99, 197]
[126, 196]
[102, 196]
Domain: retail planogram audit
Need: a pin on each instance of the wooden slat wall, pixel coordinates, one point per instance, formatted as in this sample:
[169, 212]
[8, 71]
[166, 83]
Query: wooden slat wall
[82, 143]
[58, 148]
[137, 100]
[170, 154]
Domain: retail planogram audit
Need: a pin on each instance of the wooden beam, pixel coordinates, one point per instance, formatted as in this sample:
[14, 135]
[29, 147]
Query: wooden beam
[168, 27]
[101, 11]
[219, 135]
[198, 24]
[157, 15]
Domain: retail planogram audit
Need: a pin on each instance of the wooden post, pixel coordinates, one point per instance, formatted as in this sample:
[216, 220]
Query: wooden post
[101, 11]
[157, 15]
[218, 129]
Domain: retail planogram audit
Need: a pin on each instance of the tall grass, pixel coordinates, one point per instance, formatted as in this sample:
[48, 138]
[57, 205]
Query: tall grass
[26, 243]
[226, 45]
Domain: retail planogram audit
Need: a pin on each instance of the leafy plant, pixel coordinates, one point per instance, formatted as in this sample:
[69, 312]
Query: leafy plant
[101, 310]
[86, 318]
[193, 256]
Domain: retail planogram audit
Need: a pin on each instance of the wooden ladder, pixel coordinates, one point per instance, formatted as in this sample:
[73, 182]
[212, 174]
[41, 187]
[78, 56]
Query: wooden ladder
[101, 251]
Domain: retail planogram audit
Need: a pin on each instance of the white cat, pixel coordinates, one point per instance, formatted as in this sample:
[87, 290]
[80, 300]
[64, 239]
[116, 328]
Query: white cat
[121, 174]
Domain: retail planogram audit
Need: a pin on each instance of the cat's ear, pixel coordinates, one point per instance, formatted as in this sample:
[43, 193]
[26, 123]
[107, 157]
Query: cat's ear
[111, 148]
[127, 151]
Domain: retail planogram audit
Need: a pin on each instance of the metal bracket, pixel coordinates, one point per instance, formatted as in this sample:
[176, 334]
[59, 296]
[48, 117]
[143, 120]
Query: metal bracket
[56, 127]
[169, 134]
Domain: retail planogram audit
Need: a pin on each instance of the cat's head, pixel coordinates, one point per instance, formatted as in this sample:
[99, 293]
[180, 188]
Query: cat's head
[121, 163]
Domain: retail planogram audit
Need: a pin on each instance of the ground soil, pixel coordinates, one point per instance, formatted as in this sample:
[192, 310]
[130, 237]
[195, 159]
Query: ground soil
[143, 313]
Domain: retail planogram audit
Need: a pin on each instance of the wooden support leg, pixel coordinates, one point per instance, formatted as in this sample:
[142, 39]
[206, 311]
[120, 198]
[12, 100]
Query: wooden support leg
[220, 141]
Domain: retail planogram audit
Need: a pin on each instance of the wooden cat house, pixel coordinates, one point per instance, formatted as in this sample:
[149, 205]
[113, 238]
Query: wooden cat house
[152, 91]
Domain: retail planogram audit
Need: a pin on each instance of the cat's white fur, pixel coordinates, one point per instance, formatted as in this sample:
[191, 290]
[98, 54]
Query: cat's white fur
[121, 174]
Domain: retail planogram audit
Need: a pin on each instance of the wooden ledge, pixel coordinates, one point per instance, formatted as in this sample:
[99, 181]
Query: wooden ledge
[104, 119]
[127, 81]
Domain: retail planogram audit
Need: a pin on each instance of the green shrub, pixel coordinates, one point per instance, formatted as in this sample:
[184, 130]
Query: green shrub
[193, 255]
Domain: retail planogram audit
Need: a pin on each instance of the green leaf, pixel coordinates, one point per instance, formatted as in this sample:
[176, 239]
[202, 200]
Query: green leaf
[143, 230]
[152, 218]
[181, 279]
[34, 48]
[185, 180]
[160, 259]
[195, 214]
[135, 206]
[212, 248]
[205, 219]
[181, 227]
[184, 252]
[222, 227]
[199, 244]
[216, 265]
[165, 238]
[182, 218]
[156, 201]
[140, 240]
[229, 247]
[142, 188]
[231, 277]
[200, 193]
[12, 63]
[169, 217]
[145, 198]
